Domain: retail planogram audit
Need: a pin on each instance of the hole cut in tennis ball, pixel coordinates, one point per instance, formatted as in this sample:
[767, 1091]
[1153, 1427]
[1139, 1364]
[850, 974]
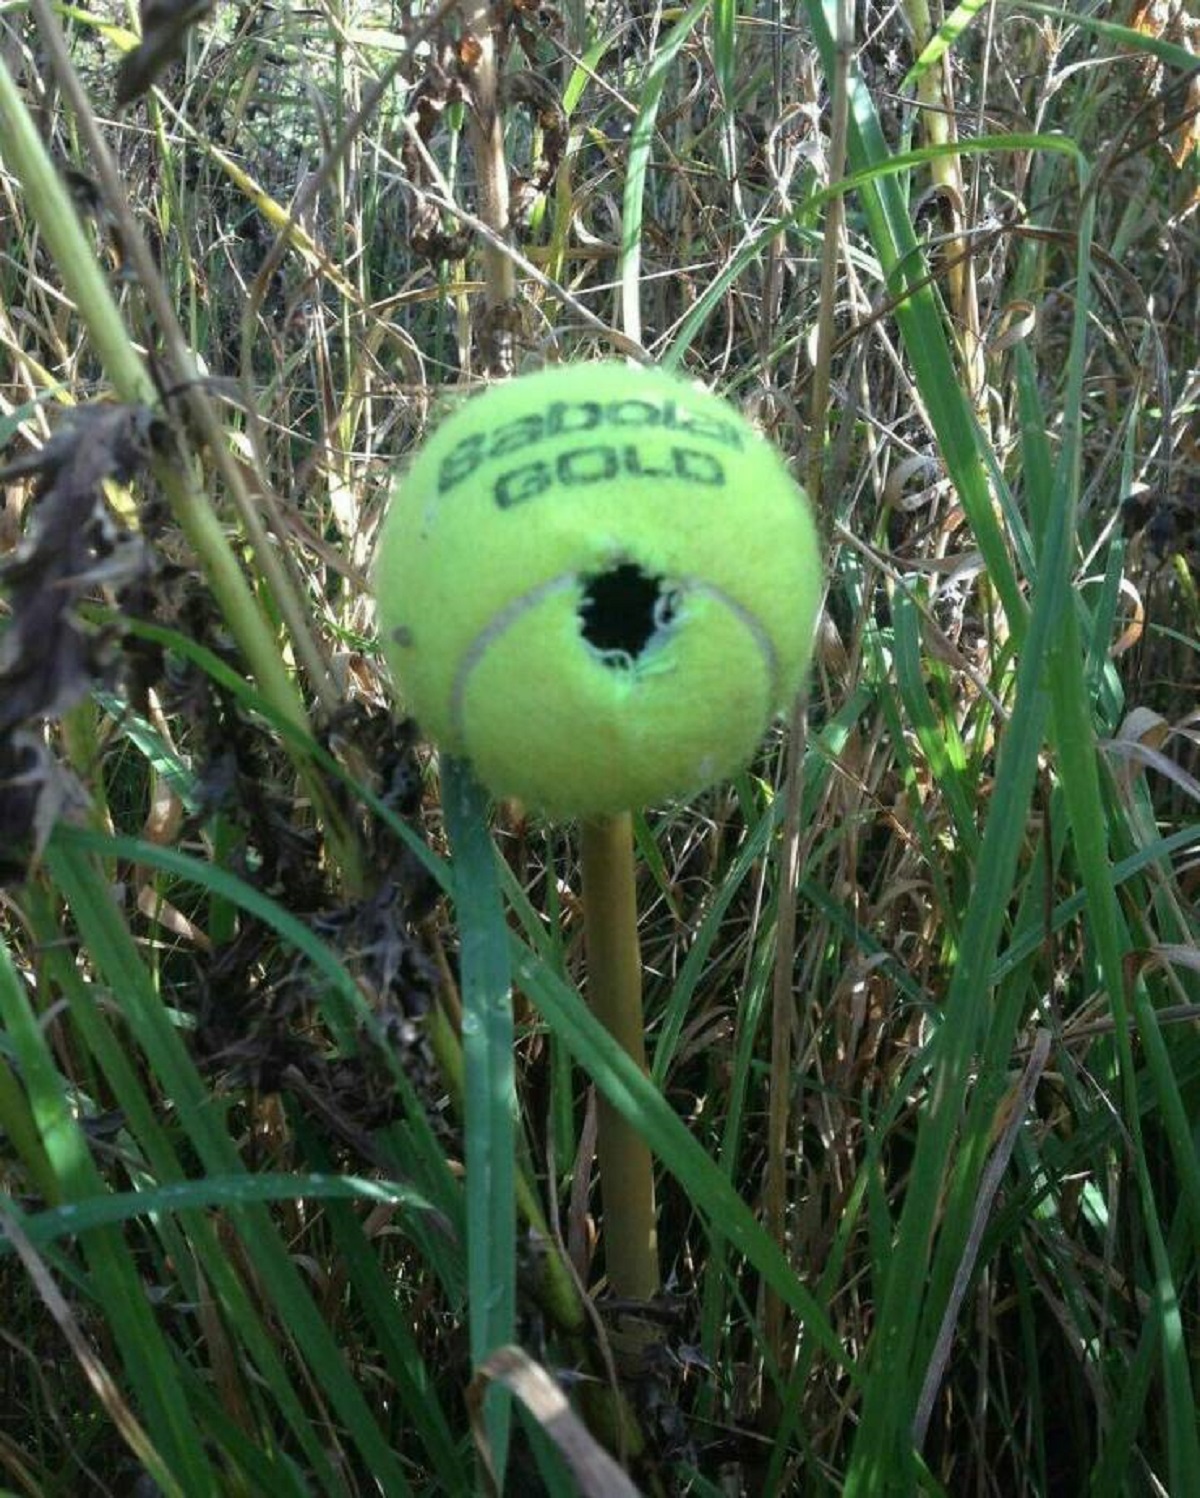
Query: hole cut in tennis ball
[623, 611]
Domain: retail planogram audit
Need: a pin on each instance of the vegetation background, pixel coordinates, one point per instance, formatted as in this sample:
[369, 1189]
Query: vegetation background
[922, 985]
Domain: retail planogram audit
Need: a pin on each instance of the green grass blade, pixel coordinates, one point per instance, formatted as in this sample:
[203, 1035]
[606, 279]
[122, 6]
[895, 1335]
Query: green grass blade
[417, 1395]
[179, 1463]
[211, 1191]
[638, 1100]
[490, 1106]
[882, 1445]
[641, 146]
[122, 1075]
[116, 956]
[955, 24]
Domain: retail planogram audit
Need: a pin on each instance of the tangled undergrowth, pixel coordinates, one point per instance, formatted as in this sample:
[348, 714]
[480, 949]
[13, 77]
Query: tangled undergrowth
[922, 985]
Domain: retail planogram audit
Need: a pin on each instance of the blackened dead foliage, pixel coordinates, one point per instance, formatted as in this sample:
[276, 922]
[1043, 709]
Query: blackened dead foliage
[74, 548]
[257, 1004]
[165, 27]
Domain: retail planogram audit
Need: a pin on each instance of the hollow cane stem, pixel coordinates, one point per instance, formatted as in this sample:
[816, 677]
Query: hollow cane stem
[615, 994]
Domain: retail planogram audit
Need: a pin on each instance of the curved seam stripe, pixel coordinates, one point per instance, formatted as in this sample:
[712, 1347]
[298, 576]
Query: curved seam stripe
[487, 636]
[519, 607]
[756, 627]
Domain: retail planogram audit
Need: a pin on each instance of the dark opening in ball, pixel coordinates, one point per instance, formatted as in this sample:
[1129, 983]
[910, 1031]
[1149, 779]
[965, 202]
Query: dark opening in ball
[622, 611]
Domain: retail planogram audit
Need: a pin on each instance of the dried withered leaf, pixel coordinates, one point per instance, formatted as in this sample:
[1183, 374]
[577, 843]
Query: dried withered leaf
[73, 543]
[595, 1472]
[48, 659]
[470, 50]
[373, 936]
[165, 25]
[444, 83]
[545, 107]
[35, 791]
[1172, 21]
[530, 21]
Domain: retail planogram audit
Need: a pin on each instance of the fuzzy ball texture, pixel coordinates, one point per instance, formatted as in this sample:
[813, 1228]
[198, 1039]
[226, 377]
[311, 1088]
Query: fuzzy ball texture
[598, 584]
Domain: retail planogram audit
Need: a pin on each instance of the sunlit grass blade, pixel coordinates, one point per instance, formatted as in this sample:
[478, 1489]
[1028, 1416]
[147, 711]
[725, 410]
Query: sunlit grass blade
[955, 24]
[641, 144]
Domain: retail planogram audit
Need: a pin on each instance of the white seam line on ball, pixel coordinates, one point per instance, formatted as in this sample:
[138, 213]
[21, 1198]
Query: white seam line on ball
[753, 623]
[495, 627]
[511, 613]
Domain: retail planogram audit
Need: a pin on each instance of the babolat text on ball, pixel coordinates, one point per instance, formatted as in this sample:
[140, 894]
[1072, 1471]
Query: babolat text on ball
[597, 583]
[604, 449]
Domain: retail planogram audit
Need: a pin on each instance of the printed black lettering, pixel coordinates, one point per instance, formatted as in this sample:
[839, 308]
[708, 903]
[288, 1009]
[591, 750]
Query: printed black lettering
[697, 467]
[713, 429]
[635, 463]
[634, 413]
[515, 436]
[597, 462]
[521, 484]
[462, 459]
[577, 416]
[587, 465]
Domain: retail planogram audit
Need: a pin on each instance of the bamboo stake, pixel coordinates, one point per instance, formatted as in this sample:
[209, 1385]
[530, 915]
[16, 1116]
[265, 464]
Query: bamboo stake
[615, 994]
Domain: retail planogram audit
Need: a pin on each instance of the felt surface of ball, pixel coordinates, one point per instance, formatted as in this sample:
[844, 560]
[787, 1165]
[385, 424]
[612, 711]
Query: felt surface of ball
[598, 584]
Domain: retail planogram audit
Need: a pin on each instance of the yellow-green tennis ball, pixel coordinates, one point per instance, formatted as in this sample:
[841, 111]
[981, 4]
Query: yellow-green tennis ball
[598, 584]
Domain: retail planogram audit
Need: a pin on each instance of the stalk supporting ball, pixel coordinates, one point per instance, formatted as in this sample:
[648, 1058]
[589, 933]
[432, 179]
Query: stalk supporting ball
[597, 583]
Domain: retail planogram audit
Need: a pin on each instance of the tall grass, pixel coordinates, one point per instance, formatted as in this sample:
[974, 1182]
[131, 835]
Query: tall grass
[298, 1080]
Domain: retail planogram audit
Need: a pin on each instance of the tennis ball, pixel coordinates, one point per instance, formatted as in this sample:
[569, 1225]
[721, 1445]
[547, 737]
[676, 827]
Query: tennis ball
[598, 584]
